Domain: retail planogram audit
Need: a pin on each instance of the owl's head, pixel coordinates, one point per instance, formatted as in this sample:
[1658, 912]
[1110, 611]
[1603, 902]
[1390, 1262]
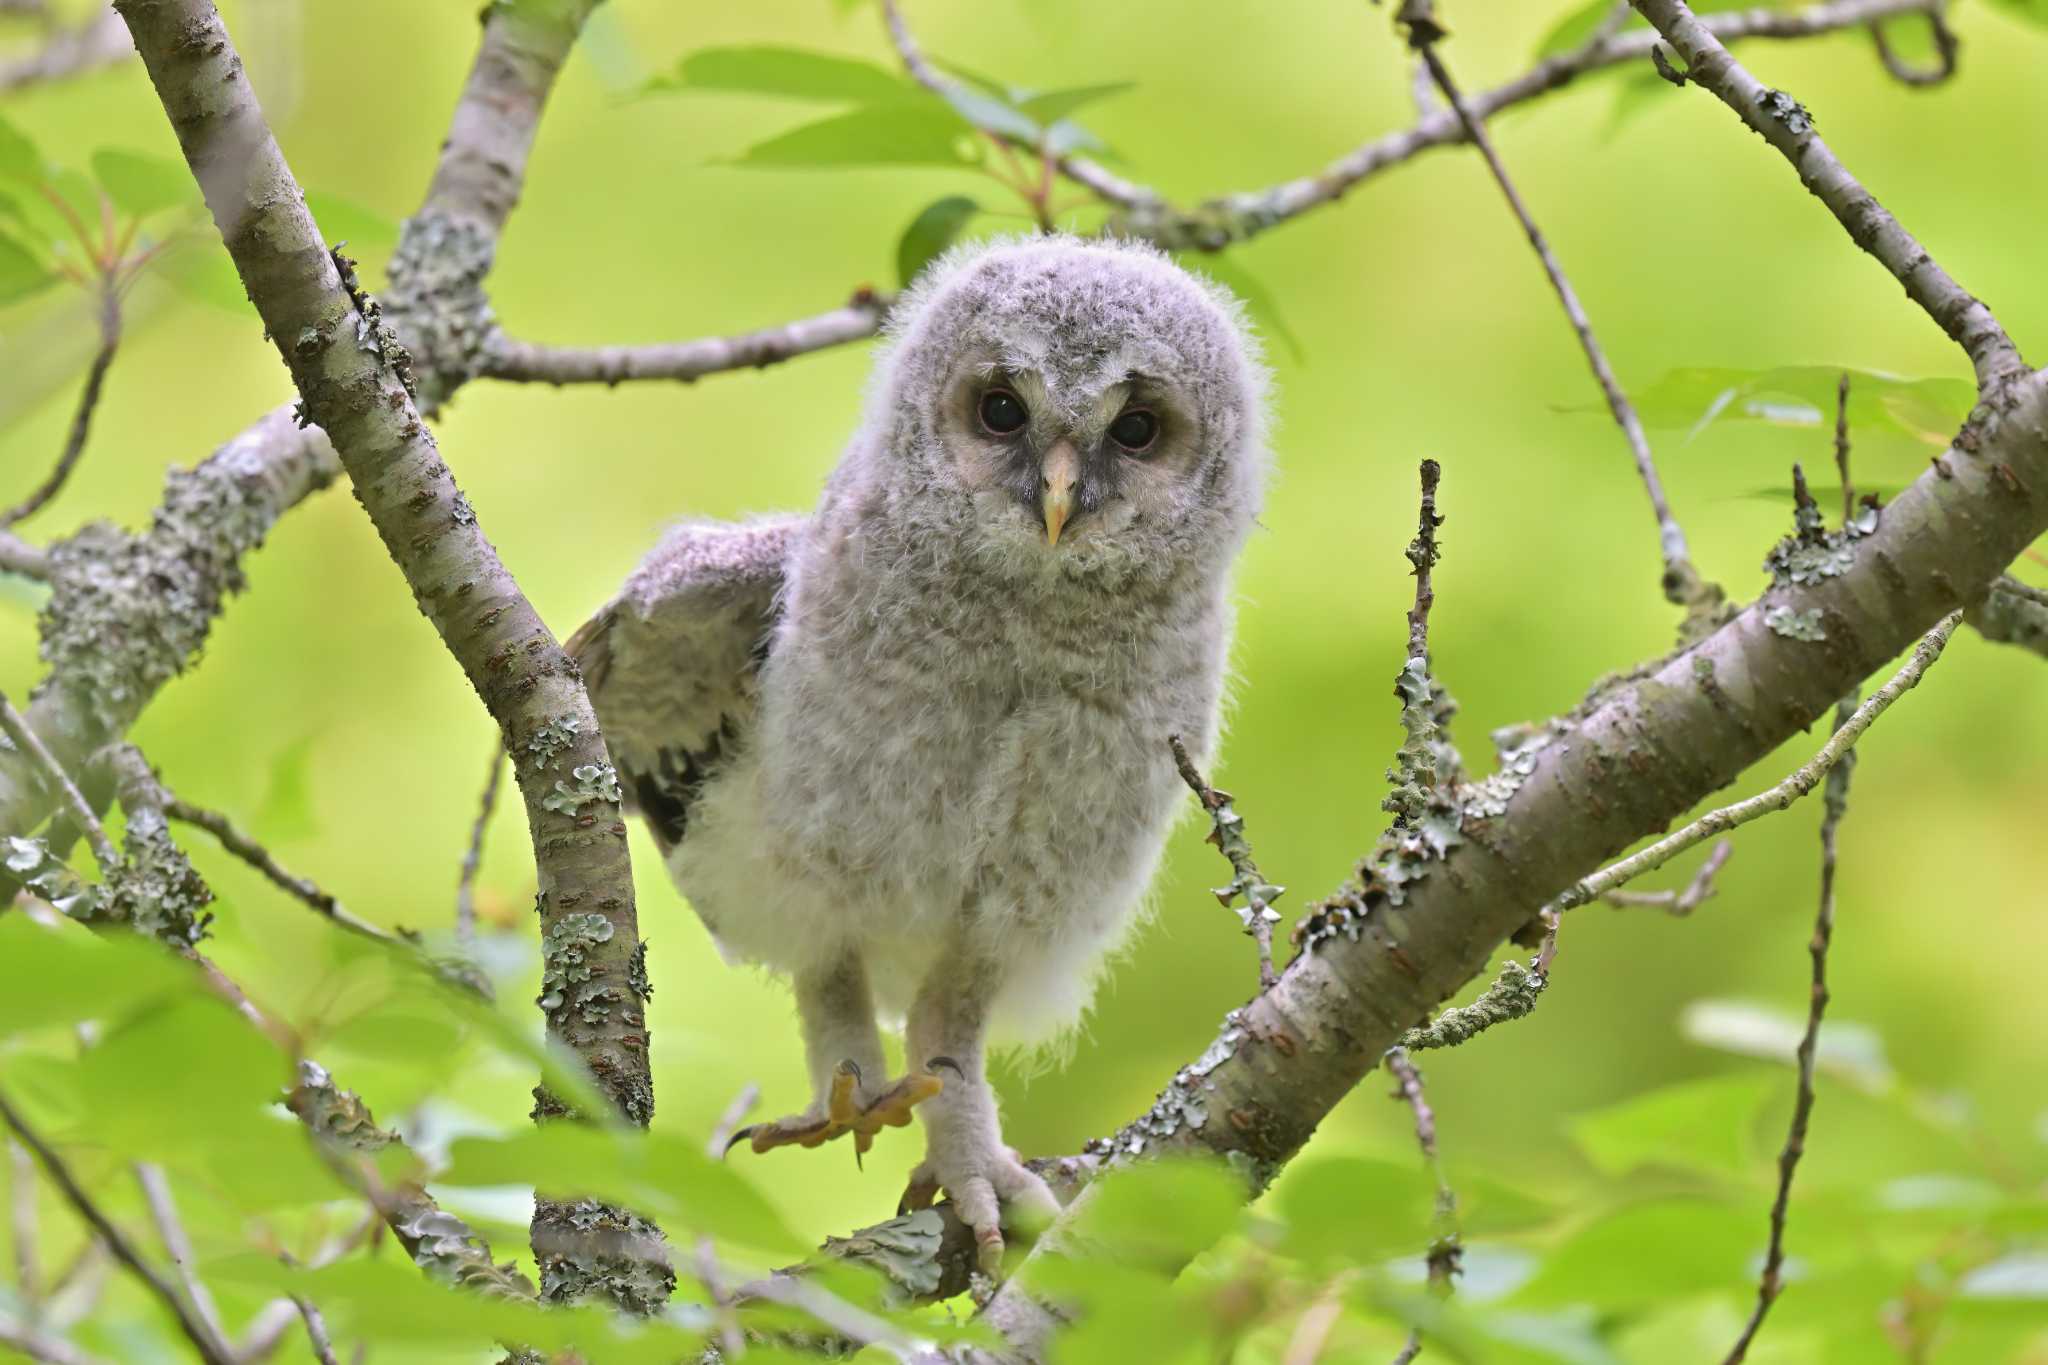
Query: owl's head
[1082, 404]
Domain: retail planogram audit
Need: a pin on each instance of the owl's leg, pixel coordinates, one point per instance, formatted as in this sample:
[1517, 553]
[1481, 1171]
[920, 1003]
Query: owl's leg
[848, 1080]
[964, 1150]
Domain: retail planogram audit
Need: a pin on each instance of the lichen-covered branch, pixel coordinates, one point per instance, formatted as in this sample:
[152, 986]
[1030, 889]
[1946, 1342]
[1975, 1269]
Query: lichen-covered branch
[1683, 586]
[2012, 614]
[1226, 831]
[1781, 121]
[437, 301]
[127, 612]
[1781, 795]
[1638, 754]
[524, 362]
[1512, 995]
[355, 381]
[438, 1241]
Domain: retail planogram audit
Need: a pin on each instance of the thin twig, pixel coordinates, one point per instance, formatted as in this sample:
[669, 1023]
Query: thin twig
[722, 1131]
[1905, 72]
[28, 742]
[1788, 127]
[1225, 219]
[17, 556]
[21, 1222]
[1409, 1349]
[731, 1341]
[1446, 1249]
[266, 1331]
[70, 52]
[1423, 554]
[1777, 798]
[316, 1331]
[1686, 899]
[163, 1211]
[303, 889]
[81, 419]
[1771, 1283]
[525, 362]
[1680, 580]
[473, 856]
[210, 1349]
[1226, 831]
[35, 1342]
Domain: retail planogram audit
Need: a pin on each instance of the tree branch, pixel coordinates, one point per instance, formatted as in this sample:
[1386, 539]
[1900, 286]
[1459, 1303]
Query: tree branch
[27, 742]
[163, 1211]
[437, 1240]
[1797, 784]
[1770, 1284]
[208, 1347]
[1216, 223]
[1633, 757]
[524, 362]
[355, 382]
[1781, 121]
[101, 41]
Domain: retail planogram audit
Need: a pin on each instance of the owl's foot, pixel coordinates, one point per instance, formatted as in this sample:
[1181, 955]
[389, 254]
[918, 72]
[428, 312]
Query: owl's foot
[985, 1185]
[842, 1111]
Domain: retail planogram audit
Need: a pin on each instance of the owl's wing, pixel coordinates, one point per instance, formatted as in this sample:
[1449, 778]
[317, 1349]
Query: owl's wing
[673, 662]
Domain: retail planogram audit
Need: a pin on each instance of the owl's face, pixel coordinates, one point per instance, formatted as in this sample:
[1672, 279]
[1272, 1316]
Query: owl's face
[1084, 404]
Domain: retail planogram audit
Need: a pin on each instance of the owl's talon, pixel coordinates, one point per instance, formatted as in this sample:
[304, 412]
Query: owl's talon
[843, 1113]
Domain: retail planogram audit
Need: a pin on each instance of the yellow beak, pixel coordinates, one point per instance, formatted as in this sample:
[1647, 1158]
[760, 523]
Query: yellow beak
[1056, 490]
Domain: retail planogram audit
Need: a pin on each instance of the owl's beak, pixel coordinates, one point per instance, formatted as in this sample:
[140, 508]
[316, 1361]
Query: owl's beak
[1062, 470]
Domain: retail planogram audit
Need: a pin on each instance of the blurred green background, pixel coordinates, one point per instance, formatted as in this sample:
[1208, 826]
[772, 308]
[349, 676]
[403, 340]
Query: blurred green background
[327, 715]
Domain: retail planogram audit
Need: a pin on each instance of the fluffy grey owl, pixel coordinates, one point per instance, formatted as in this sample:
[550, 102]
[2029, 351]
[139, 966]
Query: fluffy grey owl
[911, 750]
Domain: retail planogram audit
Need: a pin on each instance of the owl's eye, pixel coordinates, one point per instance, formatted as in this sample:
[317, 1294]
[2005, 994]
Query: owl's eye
[1135, 430]
[1002, 412]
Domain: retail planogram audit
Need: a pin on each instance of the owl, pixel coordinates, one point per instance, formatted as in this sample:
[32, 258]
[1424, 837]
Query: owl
[911, 750]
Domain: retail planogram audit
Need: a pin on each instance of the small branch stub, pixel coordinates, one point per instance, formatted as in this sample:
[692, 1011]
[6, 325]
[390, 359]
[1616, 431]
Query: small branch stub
[1226, 831]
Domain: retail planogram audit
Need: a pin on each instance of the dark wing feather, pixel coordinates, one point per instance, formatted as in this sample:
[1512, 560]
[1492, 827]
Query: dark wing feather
[673, 662]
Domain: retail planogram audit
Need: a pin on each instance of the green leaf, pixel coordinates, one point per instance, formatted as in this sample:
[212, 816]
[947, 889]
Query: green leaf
[659, 1174]
[921, 133]
[1352, 1209]
[1648, 1254]
[931, 232]
[1159, 1213]
[142, 184]
[1054, 105]
[19, 159]
[1928, 411]
[995, 115]
[64, 974]
[1228, 270]
[788, 72]
[1703, 1126]
[1850, 1050]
